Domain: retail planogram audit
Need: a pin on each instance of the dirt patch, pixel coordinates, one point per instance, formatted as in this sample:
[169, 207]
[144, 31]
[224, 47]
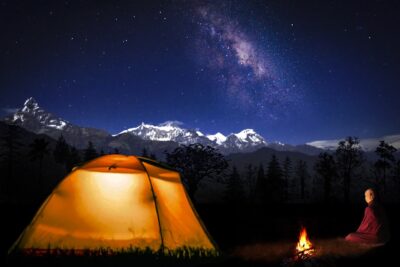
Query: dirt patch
[279, 251]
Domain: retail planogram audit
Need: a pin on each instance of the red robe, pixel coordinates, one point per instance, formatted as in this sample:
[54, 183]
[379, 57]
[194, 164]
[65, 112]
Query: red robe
[373, 228]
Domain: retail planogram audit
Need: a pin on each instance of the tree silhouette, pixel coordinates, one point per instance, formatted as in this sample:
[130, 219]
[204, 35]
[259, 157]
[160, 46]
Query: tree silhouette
[39, 149]
[275, 183]
[384, 163]
[302, 175]
[74, 159]
[153, 156]
[90, 152]
[261, 194]
[251, 180]
[396, 176]
[234, 192]
[286, 175]
[144, 153]
[11, 146]
[348, 158]
[325, 168]
[61, 152]
[196, 162]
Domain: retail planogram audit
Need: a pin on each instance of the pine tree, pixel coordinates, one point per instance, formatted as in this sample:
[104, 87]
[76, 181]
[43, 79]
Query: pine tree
[61, 152]
[286, 175]
[325, 168]
[275, 183]
[11, 152]
[144, 153]
[349, 158]
[234, 193]
[261, 186]
[39, 149]
[90, 152]
[302, 175]
[396, 176]
[384, 163]
[251, 180]
[74, 159]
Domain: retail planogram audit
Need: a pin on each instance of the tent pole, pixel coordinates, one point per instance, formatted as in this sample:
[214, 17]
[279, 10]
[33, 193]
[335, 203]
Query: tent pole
[156, 206]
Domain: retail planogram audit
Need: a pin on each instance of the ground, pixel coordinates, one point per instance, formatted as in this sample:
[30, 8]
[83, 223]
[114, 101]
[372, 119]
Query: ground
[251, 235]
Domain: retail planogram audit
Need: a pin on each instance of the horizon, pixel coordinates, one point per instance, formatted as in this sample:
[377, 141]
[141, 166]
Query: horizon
[180, 125]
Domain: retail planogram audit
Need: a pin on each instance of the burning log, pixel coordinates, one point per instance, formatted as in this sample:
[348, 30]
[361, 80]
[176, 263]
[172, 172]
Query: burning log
[304, 248]
[303, 255]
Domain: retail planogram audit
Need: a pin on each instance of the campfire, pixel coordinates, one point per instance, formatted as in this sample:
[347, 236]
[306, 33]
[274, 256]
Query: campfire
[304, 254]
[304, 248]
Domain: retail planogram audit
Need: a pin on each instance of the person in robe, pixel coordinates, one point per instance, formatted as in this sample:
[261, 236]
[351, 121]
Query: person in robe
[374, 228]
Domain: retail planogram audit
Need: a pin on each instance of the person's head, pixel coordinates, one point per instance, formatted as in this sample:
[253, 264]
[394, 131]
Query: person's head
[369, 195]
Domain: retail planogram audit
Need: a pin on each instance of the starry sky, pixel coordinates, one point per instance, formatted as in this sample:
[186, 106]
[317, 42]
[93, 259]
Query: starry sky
[295, 71]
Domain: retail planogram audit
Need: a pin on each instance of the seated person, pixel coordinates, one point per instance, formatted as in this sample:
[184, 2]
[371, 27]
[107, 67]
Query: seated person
[374, 227]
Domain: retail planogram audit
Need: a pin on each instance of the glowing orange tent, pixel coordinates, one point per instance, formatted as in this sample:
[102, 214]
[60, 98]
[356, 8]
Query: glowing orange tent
[117, 202]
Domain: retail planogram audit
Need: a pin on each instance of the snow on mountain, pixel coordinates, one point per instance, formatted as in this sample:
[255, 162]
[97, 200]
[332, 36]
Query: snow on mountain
[247, 139]
[250, 136]
[218, 138]
[167, 131]
[162, 132]
[35, 119]
[31, 109]
[199, 133]
[367, 144]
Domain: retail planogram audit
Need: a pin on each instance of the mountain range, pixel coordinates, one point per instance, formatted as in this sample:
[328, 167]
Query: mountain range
[166, 136]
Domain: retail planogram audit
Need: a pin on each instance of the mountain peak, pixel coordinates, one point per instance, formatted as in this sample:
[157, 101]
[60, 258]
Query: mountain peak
[219, 138]
[250, 136]
[167, 131]
[245, 133]
[175, 124]
[173, 131]
[35, 119]
[30, 105]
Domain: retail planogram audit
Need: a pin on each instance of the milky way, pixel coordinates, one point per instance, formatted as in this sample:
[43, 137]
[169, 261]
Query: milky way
[240, 65]
[294, 72]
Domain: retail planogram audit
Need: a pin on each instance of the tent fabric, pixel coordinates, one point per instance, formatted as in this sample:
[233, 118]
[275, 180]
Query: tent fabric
[117, 202]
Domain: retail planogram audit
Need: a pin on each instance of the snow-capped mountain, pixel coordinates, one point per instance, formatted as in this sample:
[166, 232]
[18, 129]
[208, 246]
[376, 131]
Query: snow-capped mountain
[218, 138]
[164, 136]
[250, 136]
[246, 140]
[35, 119]
[168, 131]
[367, 144]
[169, 134]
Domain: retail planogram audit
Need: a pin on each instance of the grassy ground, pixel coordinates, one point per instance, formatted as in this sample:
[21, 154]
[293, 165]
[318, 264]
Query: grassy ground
[247, 236]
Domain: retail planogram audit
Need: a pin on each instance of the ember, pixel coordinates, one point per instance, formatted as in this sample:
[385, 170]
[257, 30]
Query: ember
[304, 247]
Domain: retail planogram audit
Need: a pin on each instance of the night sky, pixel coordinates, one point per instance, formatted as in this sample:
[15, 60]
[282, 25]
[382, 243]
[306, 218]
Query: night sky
[295, 71]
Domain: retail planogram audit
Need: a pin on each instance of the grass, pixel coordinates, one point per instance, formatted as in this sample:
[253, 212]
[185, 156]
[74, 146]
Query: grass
[183, 256]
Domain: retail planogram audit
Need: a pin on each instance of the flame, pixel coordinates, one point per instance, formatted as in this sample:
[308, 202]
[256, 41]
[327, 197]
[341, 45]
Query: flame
[304, 245]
